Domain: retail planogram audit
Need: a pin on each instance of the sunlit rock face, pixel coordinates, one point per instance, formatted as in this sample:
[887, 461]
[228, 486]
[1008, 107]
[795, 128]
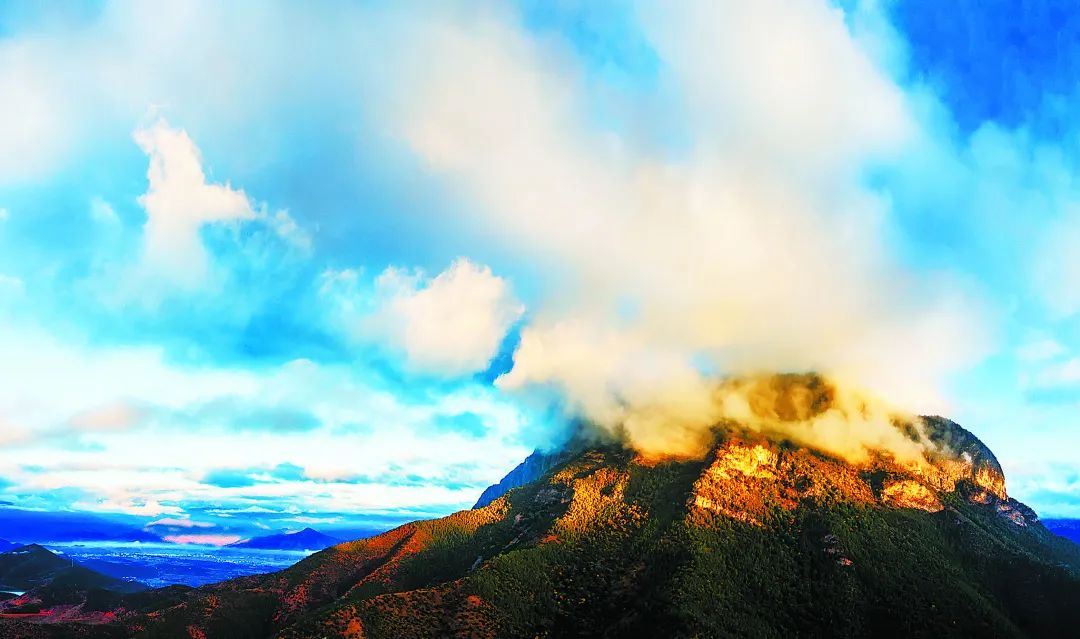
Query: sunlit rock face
[751, 480]
[960, 456]
[910, 494]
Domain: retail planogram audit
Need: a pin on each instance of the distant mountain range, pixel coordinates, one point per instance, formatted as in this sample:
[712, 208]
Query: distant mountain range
[7, 545]
[39, 526]
[1067, 528]
[306, 539]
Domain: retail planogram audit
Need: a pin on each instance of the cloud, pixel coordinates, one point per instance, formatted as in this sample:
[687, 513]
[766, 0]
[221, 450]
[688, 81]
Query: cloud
[250, 414]
[116, 416]
[1056, 271]
[180, 523]
[755, 244]
[138, 507]
[179, 201]
[1057, 375]
[737, 206]
[451, 324]
[205, 540]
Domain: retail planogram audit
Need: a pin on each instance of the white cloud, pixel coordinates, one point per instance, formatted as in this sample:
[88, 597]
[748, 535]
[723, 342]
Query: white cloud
[1057, 268]
[287, 229]
[759, 247]
[1057, 375]
[179, 201]
[50, 385]
[149, 508]
[118, 415]
[451, 324]
[180, 523]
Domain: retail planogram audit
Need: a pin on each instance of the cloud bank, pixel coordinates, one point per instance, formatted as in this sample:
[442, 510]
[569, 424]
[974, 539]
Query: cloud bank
[757, 246]
[653, 196]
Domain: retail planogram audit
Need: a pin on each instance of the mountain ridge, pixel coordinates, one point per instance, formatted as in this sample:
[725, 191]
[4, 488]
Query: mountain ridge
[306, 539]
[761, 536]
[610, 543]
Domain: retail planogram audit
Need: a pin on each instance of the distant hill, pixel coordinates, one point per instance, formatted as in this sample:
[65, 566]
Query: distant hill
[31, 567]
[306, 539]
[1067, 528]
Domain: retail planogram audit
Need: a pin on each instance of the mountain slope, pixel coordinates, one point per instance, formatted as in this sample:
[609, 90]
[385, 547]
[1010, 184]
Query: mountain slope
[760, 538]
[533, 468]
[306, 539]
[33, 566]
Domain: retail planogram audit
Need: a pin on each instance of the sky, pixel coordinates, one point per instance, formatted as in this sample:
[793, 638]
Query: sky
[295, 264]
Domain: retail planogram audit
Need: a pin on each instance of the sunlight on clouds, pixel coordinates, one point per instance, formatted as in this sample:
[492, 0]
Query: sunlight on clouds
[758, 248]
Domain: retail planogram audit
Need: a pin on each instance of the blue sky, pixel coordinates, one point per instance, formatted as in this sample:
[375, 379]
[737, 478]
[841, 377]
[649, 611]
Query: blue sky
[267, 261]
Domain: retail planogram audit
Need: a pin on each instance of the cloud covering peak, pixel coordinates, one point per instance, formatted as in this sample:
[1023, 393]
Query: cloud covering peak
[322, 257]
[758, 244]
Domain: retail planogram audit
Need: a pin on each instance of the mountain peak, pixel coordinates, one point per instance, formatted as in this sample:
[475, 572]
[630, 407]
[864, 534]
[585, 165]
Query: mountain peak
[762, 536]
[305, 539]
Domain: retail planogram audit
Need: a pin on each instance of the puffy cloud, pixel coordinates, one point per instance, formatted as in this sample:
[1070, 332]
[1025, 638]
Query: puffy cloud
[136, 507]
[179, 201]
[451, 324]
[755, 245]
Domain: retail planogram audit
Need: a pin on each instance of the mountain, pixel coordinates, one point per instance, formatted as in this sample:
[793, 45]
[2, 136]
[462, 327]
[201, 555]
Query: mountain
[533, 468]
[7, 545]
[1067, 528]
[761, 537]
[33, 566]
[306, 539]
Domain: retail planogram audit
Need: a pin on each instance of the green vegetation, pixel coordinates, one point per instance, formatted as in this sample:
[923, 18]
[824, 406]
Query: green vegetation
[759, 540]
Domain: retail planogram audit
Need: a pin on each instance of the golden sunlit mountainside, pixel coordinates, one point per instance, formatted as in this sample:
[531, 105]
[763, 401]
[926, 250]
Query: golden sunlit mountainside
[760, 536]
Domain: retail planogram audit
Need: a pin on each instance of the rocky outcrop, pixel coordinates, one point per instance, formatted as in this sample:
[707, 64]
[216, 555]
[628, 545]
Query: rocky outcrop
[960, 456]
[910, 494]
